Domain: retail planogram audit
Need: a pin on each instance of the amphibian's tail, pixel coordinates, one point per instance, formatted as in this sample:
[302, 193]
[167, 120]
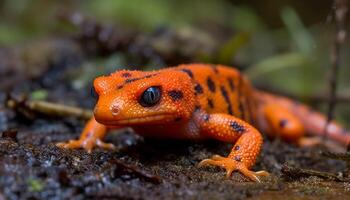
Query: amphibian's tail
[313, 122]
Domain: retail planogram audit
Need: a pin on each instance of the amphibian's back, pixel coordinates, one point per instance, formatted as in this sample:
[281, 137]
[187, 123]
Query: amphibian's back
[222, 89]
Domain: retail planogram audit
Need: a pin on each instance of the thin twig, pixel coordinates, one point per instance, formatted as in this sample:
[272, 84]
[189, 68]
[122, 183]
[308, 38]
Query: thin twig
[55, 109]
[137, 172]
[341, 9]
[30, 108]
[297, 173]
[337, 156]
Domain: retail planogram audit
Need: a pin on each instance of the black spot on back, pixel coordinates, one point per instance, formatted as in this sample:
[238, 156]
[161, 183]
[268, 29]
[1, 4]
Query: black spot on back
[250, 112]
[238, 158]
[148, 76]
[188, 72]
[198, 88]
[131, 80]
[227, 99]
[177, 119]
[231, 84]
[175, 94]
[237, 127]
[211, 84]
[283, 123]
[215, 69]
[140, 78]
[210, 103]
[236, 148]
[126, 74]
[241, 109]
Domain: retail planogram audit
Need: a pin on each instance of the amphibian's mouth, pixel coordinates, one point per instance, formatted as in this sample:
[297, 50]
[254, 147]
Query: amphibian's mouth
[136, 120]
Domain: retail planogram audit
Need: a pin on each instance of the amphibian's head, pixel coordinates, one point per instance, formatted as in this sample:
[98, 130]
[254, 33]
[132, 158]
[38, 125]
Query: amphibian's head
[137, 98]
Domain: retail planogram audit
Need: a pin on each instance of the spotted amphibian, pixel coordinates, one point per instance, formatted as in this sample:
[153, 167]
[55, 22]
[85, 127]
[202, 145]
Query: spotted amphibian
[199, 101]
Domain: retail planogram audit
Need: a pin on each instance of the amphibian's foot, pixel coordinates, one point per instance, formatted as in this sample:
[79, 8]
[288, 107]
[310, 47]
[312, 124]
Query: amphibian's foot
[232, 165]
[87, 143]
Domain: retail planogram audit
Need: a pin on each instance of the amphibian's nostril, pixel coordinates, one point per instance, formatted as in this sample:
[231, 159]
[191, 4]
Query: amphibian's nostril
[114, 109]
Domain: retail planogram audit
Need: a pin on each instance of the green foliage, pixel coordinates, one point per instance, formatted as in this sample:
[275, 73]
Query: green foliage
[38, 95]
[278, 62]
[300, 35]
[232, 46]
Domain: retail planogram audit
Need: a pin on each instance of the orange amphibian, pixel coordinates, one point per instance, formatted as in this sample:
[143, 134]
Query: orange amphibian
[199, 101]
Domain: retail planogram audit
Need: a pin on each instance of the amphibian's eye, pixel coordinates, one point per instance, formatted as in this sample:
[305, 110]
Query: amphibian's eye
[150, 97]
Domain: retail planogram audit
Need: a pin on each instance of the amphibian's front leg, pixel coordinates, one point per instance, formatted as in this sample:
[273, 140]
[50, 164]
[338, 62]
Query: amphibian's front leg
[91, 136]
[228, 128]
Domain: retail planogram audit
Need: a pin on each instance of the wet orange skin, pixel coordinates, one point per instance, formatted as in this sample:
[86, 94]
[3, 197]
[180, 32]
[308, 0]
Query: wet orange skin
[200, 101]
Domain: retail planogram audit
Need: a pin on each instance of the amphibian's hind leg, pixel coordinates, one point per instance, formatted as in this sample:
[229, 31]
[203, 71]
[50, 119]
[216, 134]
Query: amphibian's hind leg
[284, 124]
[91, 137]
[230, 129]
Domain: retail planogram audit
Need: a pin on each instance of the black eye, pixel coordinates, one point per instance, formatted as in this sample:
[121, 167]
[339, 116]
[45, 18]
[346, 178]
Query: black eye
[94, 93]
[150, 97]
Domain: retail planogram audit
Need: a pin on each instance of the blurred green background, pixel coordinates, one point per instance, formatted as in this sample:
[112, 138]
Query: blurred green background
[281, 45]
